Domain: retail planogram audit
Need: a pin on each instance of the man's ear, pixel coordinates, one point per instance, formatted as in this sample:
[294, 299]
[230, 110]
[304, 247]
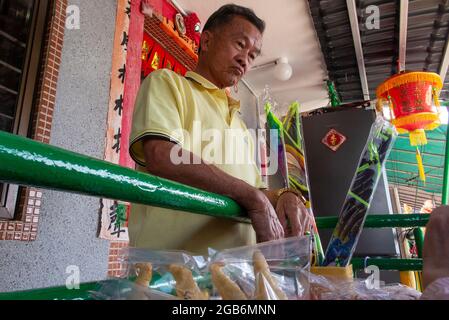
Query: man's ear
[206, 38]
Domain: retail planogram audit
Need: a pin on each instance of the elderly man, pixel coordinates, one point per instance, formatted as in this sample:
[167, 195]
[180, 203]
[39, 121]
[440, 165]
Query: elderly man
[168, 109]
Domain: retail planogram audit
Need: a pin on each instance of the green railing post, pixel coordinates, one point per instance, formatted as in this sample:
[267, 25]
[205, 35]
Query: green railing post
[419, 240]
[445, 195]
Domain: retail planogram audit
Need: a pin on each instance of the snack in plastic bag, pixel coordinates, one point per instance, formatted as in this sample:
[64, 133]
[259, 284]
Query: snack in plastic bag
[176, 273]
[186, 286]
[269, 270]
[320, 286]
[400, 292]
[266, 286]
[328, 288]
[226, 288]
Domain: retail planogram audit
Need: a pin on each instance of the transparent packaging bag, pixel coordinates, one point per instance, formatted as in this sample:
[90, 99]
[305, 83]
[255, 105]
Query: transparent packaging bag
[175, 273]
[271, 270]
[327, 288]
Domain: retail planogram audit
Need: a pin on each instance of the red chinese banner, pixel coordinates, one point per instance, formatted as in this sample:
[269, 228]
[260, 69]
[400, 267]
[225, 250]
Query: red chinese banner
[169, 61]
[155, 57]
[180, 69]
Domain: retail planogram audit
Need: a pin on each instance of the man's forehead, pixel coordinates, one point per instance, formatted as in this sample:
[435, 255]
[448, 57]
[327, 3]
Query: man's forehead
[240, 26]
[252, 35]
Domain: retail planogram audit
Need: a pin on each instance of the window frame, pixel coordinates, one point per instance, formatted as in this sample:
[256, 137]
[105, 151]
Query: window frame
[28, 85]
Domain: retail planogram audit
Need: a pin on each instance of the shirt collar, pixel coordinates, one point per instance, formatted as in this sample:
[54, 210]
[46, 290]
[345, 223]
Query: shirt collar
[201, 80]
[233, 103]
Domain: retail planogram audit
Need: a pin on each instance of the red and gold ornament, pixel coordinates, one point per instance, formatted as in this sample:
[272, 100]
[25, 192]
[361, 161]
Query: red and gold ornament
[414, 106]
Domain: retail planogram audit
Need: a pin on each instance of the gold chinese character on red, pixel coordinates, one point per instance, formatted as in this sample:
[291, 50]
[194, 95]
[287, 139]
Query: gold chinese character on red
[333, 139]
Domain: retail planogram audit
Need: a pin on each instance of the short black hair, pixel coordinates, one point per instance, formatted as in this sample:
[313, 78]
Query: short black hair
[223, 15]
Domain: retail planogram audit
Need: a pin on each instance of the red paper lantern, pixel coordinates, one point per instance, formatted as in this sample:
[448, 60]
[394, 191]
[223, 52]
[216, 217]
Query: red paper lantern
[412, 97]
[413, 101]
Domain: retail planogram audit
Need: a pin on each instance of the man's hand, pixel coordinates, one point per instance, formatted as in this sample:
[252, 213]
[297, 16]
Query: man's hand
[436, 246]
[290, 209]
[263, 217]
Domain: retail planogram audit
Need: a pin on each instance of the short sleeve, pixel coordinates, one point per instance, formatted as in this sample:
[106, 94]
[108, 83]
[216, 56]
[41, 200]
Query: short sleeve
[157, 112]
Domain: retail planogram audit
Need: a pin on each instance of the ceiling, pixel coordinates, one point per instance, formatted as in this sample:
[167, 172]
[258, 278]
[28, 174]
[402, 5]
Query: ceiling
[289, 33]
[425, 35]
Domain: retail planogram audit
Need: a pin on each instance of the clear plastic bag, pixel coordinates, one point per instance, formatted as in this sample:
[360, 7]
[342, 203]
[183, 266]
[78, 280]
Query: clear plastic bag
[175, 273]
[267, 271]
[327, 288]
[361, 192]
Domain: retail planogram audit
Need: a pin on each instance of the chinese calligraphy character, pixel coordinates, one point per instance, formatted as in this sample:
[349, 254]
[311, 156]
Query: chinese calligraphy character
[122, 72]
[117, 137]
[128, 9]
[119, 105]
[125, 40]
[117, 217]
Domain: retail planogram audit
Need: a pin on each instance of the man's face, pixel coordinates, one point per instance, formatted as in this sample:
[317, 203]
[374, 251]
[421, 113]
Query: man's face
[230, 51]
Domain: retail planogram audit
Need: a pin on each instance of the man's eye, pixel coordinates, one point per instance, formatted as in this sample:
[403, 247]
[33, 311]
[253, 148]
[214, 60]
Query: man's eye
[241, 44]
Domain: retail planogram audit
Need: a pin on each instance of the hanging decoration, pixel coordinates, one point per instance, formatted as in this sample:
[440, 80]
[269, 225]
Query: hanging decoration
[193, 27]
[333, 94]
[414, 106]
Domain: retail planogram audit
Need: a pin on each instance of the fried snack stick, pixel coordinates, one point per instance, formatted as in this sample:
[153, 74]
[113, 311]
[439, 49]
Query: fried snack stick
[226, 288]
[186, 287]
[145, 273]
[264, 281]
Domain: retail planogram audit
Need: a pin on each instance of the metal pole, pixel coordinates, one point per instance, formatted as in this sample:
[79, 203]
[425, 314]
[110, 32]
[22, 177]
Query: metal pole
[445, 195]
[380, 221]
[353, 19]
[27, 162]
[388, 264]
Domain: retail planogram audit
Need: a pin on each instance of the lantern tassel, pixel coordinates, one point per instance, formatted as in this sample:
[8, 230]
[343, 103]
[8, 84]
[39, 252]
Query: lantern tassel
[418, 137]
[422, 174]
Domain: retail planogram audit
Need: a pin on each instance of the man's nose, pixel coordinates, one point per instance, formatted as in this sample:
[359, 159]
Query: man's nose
[243, 61]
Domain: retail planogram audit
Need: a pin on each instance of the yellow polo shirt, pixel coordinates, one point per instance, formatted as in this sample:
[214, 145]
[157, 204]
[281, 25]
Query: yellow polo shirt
[202, 119]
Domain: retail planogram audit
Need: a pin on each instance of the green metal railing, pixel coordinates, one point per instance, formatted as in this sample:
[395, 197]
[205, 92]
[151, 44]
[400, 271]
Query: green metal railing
[30, 163]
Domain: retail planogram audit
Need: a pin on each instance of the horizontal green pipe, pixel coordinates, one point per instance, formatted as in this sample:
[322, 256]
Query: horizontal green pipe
[381, 221]
[54, 293]
[27, 162]
[388, 264]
